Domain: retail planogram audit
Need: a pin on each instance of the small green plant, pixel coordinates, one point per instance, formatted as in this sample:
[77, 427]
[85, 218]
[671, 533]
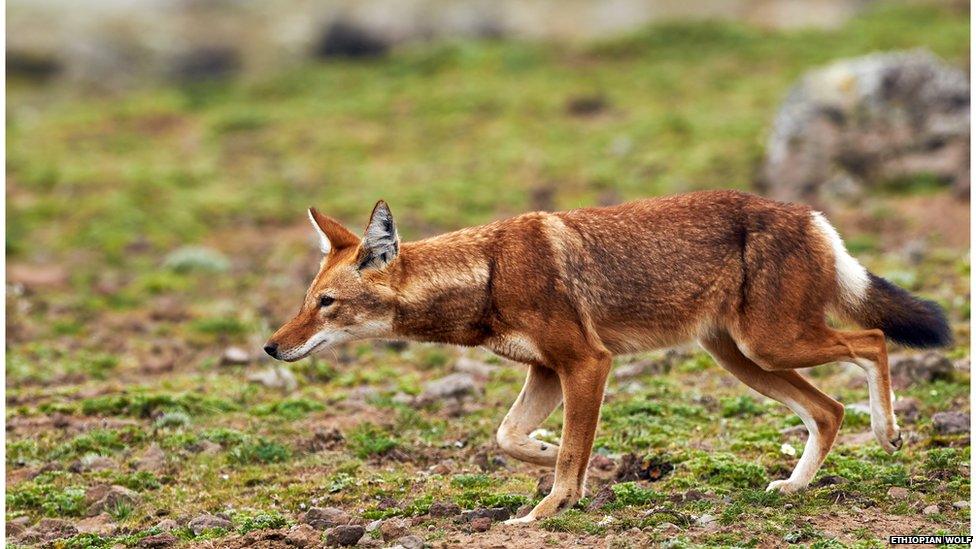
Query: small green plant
[291, 409]
[263, 521]
[258, 451]
[630, 494]
[368, 440]
[48, 499]
[471, 481]
[741, 406]
[573, 521]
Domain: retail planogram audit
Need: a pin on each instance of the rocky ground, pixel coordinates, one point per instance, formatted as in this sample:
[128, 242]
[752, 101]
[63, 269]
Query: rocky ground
[154, 240]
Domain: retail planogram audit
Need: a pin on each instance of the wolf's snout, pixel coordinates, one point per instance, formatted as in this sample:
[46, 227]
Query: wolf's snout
[272, 349]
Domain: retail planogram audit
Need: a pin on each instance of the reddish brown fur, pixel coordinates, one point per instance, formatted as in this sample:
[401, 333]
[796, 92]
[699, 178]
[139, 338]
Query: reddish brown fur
[564, 292]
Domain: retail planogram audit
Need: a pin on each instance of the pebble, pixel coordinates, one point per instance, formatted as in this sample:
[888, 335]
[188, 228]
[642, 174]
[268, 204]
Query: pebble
[394, 528]
[411, 542]
[951, 423]
[159, 540]
[322, 518]
[346, 535]
[930, 510]
[480, 524]
[205, 522]
[235, 356]
[444, 509]
[897, 492]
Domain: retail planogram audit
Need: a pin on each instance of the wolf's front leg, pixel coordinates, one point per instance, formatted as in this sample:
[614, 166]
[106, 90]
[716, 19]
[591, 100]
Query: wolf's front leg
[582, 384]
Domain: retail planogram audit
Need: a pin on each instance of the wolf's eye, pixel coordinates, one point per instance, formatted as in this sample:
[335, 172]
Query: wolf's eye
[326, 300]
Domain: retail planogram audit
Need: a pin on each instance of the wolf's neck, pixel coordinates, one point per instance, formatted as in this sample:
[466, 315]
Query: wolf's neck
[443, 288]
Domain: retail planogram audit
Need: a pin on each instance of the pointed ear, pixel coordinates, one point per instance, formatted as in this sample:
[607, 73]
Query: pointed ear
[331, 233]
[381, 244]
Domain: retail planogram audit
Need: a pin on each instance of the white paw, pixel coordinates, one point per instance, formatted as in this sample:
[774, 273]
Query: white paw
[891, 439]
[521, 520]
[785, 486]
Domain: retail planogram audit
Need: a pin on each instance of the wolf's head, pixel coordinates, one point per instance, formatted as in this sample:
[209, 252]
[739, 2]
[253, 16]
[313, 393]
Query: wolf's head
[351, 297]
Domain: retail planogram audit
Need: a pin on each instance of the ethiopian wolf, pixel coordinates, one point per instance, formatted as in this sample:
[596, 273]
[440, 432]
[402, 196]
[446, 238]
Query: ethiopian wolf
[752, 280]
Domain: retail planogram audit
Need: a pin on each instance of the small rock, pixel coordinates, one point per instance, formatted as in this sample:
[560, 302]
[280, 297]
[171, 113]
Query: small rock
[394, 528]
[951, 423]
[586, 105]
[206, 522]
[961, 365]
[544, 486]
[705, 519]
[206, 447]
[605, 496]
[49, 529]
[829, 480]
[932, 366]
[931, 510]
[387, 503]
[166, 525]
[961, 504]
[154, 459]
[497, 514]
[795, 431]
[444, 509]
[523, 510]
[476, 368]
[897, 492]
[100, 524]
[443, 467]
[452, 386]
[16, 526]
[322, 518]
[602, 462]
[235, 356]
[159, 540]
[92, 463]
[303, 535]
[480, 524]
[328, 438]
[275, 377]
[907, 409]
[345, 536]
[632, 468]
[103, 498]
[488, 460]
[667, 527]
[708, 522]
[373, 526]
[411, 542]
[689, 496]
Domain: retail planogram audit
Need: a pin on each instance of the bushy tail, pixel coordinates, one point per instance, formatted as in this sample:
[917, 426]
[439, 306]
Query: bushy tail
[903, 318]
[873, 302]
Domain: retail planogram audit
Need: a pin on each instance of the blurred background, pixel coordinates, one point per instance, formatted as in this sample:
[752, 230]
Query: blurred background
[161, 155]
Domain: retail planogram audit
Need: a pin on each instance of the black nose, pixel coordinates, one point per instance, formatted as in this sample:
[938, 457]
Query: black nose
[271, 349]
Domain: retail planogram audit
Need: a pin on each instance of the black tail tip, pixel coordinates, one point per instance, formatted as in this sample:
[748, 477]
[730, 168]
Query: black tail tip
[913, 322]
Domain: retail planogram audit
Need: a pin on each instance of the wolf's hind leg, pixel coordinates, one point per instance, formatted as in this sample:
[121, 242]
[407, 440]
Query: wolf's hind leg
[821, 414]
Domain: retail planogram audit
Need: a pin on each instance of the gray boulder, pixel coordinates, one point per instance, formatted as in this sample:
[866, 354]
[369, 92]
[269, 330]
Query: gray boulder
[863, 121]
